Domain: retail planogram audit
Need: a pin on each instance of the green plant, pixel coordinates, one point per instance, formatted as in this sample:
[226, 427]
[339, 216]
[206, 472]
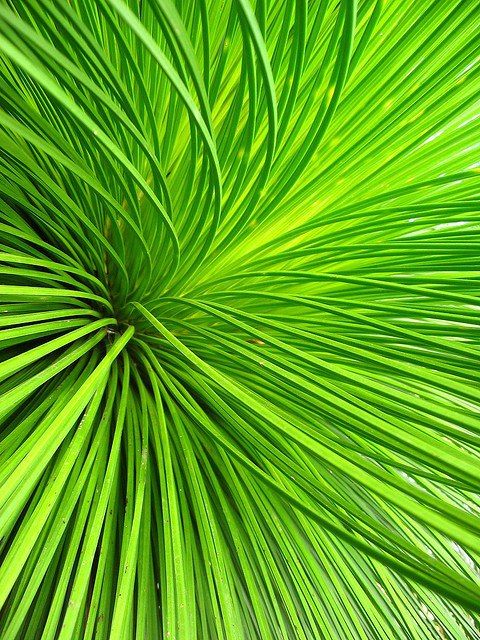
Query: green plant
[239, 311]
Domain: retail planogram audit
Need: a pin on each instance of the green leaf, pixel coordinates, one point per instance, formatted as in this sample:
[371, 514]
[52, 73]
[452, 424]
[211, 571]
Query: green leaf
[239, 320]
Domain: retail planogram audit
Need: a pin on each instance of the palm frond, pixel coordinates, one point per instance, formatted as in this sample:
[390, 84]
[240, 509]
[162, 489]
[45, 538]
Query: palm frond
[239, 325]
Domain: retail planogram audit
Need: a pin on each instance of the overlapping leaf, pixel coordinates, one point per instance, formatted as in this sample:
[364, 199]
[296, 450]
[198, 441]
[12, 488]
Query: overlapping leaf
[239, 302]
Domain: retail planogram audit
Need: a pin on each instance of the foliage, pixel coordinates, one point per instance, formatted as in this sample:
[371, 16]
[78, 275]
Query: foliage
[239, 299]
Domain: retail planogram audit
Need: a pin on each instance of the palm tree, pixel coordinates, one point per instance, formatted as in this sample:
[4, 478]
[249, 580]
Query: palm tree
[239, 319]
